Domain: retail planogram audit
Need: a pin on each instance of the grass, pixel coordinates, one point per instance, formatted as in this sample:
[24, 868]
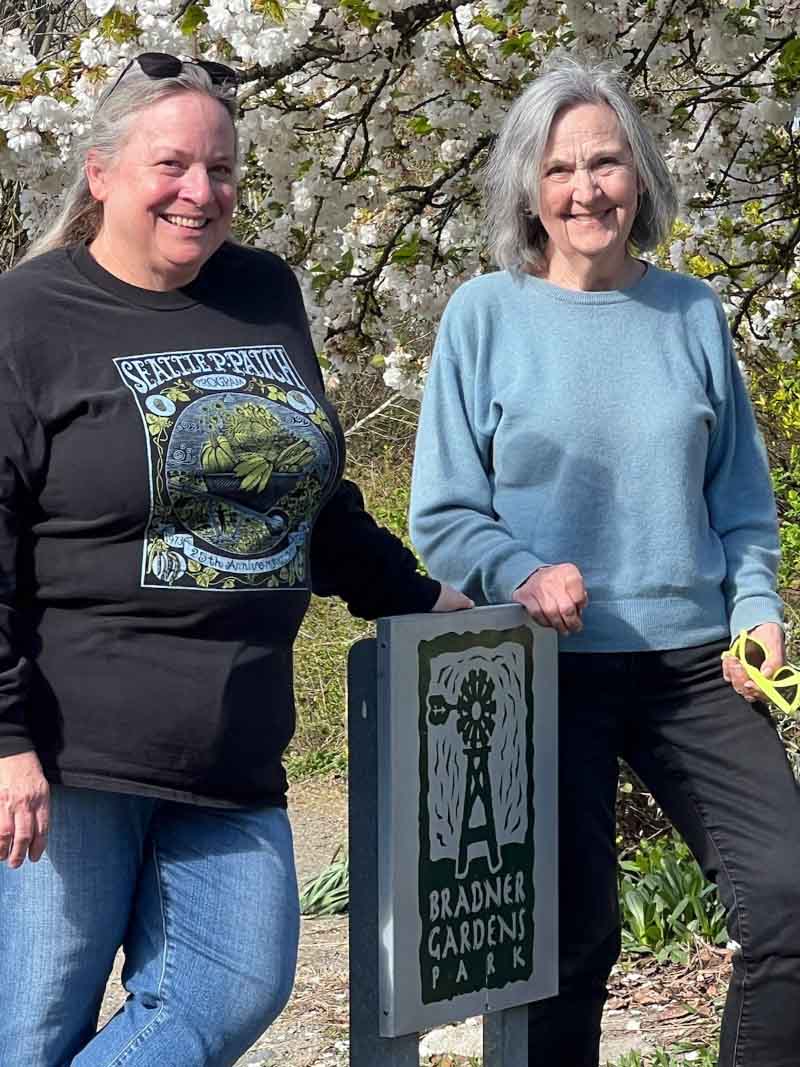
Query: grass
[320, 742]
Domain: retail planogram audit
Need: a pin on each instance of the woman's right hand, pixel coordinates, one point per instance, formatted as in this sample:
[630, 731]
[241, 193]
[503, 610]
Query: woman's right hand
[24, 809]
[554, 596]
[451, 599]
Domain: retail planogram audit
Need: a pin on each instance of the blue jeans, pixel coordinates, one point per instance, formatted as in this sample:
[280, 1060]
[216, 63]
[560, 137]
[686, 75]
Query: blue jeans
[203, 901]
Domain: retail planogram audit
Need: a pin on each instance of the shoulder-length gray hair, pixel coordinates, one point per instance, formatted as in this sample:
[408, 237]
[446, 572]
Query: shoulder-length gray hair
[80, 215]
[511, 181]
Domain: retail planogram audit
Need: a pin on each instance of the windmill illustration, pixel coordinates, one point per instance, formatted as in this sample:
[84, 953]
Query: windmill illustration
[475, 710]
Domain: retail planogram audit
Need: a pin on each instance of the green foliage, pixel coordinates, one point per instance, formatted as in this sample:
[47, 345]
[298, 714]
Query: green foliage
[320, 665]
[788, 68]
[680, 1055]
[408, 252]
[420, 125]
[272, 9]
[316, 764]
[367, 16]
[321, 278]
[193, 18]
[666, 902]
[118, 26]
[320, 743]
[787, 490]
[328, 893]
[776, 397]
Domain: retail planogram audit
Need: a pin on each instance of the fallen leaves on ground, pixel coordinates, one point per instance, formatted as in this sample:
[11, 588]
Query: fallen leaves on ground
[670, 995]
[448, 1061]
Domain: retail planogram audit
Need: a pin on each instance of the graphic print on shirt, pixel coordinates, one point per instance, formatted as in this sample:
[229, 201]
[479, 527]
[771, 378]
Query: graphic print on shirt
[241, 454]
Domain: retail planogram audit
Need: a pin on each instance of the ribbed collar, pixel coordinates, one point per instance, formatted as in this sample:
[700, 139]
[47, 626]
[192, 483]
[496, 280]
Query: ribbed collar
[171, 300]
[593, 297]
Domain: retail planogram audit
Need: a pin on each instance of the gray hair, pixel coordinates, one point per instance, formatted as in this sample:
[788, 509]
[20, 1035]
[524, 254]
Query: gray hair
[81, 216]
[517, 238]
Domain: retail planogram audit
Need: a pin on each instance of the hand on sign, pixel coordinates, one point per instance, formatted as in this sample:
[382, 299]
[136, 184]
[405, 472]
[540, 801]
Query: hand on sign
[24, 809]
[554, 596]
[451, 600]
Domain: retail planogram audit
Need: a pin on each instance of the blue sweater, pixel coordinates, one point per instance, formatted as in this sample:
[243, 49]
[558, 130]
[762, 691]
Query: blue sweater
[611, 430]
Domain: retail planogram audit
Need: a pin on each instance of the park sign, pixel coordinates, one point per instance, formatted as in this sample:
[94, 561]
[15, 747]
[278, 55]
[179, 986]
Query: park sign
[467, 743]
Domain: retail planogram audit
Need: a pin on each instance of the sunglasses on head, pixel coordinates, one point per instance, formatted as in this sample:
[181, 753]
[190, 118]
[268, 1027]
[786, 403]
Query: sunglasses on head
[163, 65]
[783, 688]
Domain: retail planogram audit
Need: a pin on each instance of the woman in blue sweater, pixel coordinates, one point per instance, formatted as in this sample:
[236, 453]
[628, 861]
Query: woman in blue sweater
[587, 448]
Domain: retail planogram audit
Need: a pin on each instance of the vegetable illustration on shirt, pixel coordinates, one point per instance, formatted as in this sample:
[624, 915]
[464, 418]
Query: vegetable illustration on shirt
[253, 447]
[239, 467]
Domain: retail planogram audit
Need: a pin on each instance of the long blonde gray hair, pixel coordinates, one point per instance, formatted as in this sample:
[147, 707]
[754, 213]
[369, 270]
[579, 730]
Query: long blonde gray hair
[80, 216]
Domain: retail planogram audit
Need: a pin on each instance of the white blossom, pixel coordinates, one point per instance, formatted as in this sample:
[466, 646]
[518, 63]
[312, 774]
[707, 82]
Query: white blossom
[100, 7]
[343, 139]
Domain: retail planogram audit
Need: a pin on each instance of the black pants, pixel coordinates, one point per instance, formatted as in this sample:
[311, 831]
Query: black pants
[716, 766]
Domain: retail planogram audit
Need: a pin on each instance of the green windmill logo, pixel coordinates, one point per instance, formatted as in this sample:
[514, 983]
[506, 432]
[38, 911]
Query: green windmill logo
[475, 709]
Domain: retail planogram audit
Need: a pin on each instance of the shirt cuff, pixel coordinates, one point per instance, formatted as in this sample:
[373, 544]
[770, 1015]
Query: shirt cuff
[754, 610]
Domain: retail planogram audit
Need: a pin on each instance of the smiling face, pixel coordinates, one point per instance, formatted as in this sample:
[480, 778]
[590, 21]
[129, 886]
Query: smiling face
[168, 195]
[588, 191]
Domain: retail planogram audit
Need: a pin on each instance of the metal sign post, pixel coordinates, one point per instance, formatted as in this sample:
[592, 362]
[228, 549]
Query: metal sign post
[452, 725]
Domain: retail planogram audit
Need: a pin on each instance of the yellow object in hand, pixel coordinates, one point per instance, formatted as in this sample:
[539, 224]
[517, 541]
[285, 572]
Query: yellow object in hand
[783, 688]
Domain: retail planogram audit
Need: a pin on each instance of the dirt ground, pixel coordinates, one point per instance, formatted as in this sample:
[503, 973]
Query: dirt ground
[649, 1005]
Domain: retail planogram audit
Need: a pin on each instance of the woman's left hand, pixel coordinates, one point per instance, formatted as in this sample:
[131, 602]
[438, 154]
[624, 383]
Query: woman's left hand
[770, 635]
[451, 600]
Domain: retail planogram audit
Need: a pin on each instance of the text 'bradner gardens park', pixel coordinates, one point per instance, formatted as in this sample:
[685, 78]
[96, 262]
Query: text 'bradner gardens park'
[482, 916]
[476, 894]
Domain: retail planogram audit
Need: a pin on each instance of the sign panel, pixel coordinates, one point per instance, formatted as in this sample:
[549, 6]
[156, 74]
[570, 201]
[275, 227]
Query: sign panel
[467, 815]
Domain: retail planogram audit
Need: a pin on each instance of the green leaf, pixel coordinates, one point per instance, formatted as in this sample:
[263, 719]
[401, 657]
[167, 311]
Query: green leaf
[420, 125]
[119, 27]
[271, 8]
[368, 17]
[519, 44]
[407, 252]
[329, 892]
[492, 24]
[193, 18]
[789, 62]
[157, 424]
[175, 394]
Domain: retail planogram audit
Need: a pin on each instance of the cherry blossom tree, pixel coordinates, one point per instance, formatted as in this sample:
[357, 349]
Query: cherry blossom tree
[365, 124]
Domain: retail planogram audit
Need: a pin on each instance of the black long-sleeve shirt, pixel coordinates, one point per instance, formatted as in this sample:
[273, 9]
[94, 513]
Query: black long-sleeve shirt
[170, 491]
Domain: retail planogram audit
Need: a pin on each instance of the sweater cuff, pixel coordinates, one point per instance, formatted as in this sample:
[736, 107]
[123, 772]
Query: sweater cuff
[510, 574]
[754, 610]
